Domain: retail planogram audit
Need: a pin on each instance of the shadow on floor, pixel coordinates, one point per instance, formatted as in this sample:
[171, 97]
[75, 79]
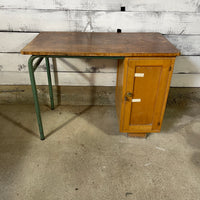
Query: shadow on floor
[18, 124]
[67, 122]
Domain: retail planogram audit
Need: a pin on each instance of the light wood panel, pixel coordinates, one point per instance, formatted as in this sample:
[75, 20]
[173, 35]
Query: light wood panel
[119, 90]
[71, 20]
[145, 88]
[164, 86]
[114, 5]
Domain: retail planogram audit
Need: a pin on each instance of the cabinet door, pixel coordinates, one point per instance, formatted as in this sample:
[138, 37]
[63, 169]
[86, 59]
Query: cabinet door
[146, 91]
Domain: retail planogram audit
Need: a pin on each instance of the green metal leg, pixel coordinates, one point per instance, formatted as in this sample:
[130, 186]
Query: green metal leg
[35, 96]
[32, 68]
[49, 82]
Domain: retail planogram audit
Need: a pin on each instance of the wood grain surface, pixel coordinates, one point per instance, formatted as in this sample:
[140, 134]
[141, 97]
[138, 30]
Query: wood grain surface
[146, 89]
[100, 44]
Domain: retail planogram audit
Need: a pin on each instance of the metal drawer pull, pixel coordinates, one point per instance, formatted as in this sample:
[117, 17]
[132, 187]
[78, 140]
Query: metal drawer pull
[136, 100]
[139, 74]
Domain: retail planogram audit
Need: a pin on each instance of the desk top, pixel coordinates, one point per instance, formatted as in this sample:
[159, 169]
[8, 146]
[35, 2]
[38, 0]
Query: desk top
[100, 44]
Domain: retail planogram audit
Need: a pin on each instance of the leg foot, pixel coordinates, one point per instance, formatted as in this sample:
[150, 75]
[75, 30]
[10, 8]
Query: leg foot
[42, 138]
[52, 108]
[35, 96]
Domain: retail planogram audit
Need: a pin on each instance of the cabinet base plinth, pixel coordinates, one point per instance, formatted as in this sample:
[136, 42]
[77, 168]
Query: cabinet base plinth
[141, 135]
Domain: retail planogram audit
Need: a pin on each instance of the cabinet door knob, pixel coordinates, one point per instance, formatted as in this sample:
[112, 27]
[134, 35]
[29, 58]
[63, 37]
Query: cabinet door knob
[126, 98]
[129, 94]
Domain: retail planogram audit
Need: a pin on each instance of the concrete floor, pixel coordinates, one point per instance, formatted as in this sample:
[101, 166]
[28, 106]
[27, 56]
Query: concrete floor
[84, 157]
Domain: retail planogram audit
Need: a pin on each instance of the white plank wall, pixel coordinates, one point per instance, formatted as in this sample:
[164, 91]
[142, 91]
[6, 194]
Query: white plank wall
[22, 20]
[111, 5]
[183, 65]
[75, 79]
[59, 20]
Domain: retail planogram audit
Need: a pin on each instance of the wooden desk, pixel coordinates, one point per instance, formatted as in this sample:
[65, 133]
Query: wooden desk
[146, 62]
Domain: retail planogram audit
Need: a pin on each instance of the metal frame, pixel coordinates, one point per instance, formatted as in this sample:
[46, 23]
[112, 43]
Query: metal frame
[32, 67]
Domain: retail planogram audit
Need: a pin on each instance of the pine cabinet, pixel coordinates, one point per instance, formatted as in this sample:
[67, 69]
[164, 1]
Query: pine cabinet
[141, 93]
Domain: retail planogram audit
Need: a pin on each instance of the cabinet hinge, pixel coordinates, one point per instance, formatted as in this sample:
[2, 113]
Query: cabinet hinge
[170, 68]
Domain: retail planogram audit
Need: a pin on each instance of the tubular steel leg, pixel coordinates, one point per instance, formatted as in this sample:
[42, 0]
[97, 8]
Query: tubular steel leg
[49, 82]
[35, 96]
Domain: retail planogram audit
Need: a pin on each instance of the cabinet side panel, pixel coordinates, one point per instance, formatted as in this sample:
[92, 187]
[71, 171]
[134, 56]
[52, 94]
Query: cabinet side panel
[162, 98]
[120, 87]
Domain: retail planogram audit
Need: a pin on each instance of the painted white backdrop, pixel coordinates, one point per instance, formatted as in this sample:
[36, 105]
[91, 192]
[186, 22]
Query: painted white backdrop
[22, 20]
